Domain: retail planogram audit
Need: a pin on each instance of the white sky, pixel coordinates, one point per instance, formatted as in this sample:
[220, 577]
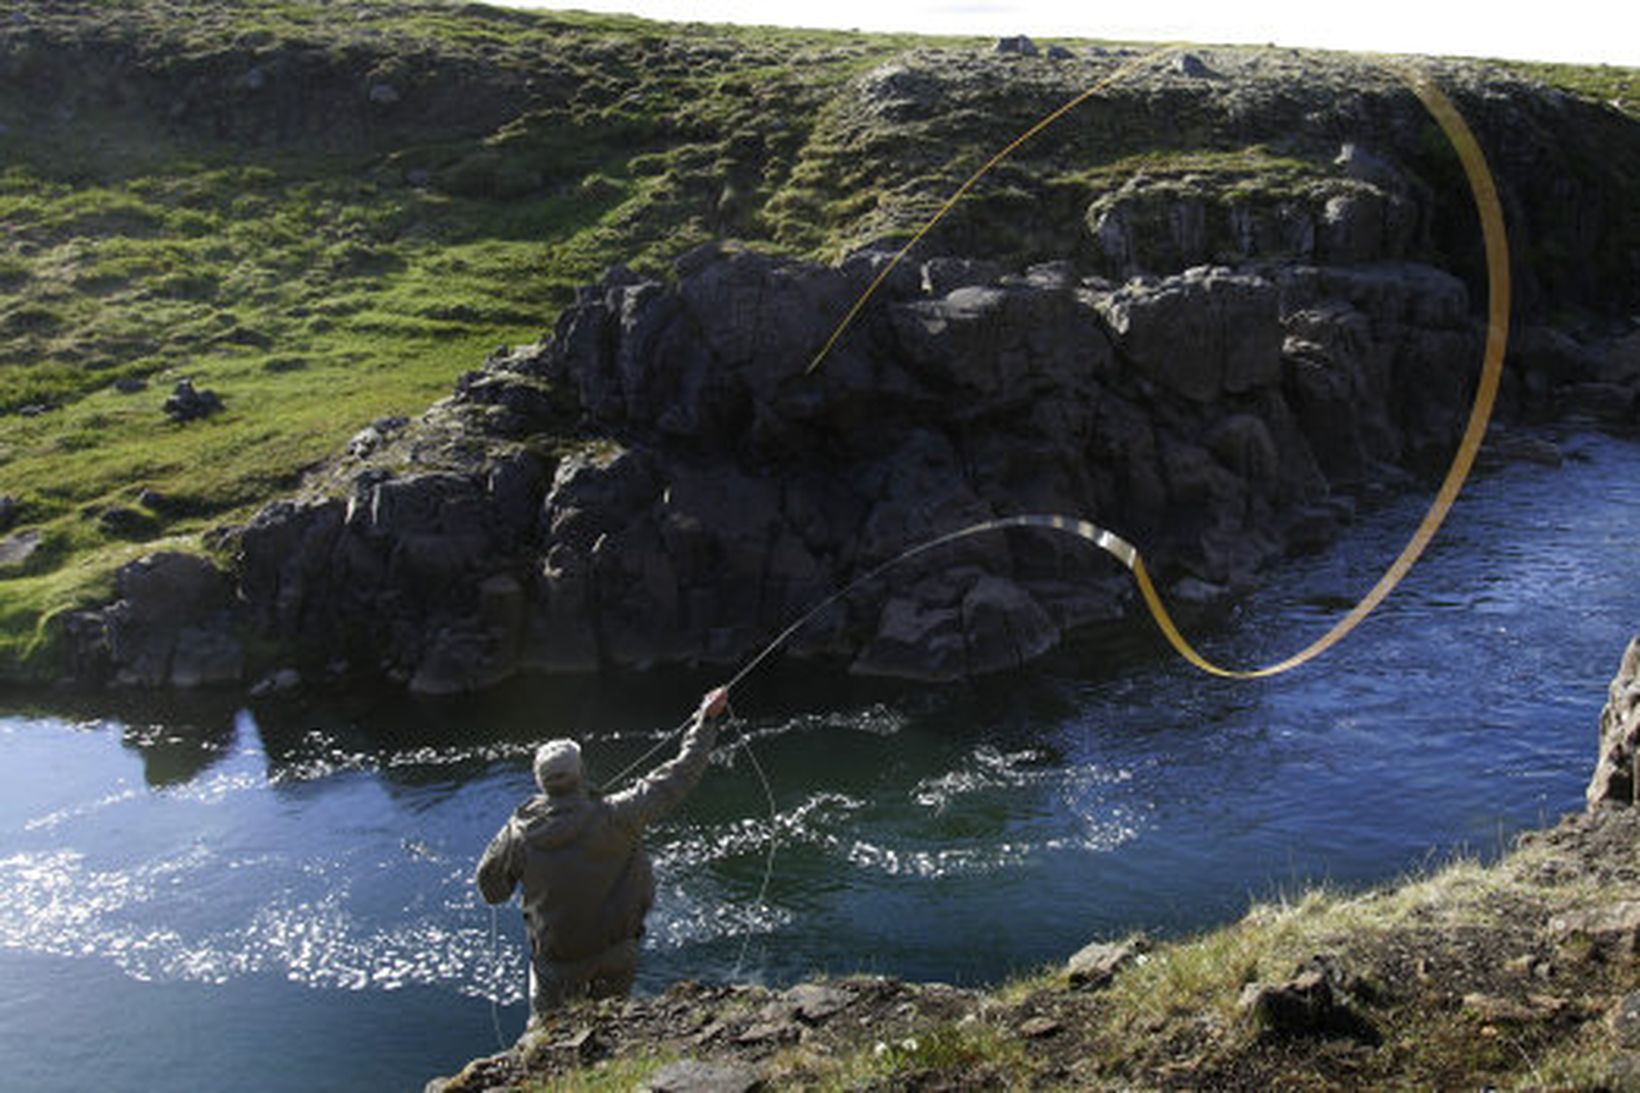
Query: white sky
[1585, 31]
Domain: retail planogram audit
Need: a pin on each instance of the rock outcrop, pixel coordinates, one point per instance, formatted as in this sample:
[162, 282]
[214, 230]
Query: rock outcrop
[170, 625]
[720, 486]
[1615, 774]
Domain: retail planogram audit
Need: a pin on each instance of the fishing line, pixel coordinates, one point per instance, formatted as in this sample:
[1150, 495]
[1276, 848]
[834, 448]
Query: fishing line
[774, 841]
[1484, 191]
[962, 191]
[1487, 205]
[495, 961]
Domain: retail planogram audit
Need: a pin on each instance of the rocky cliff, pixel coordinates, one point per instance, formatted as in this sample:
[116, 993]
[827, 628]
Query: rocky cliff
[1219, 417]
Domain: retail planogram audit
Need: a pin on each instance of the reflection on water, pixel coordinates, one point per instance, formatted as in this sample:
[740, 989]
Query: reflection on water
[305, 864]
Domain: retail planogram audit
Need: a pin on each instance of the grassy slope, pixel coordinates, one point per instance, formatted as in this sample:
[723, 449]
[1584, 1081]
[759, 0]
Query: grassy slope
[317, 283]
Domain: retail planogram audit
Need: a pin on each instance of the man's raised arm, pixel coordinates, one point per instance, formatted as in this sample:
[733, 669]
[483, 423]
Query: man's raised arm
[660, 791]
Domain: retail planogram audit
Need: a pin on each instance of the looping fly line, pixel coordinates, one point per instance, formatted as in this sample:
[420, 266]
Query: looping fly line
[1490, 210]
[1484, 191]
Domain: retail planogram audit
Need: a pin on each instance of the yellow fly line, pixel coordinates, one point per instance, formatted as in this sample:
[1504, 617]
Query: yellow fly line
[1484, 191]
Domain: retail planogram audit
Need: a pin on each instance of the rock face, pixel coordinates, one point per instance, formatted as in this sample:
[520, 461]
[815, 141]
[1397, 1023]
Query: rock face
[170, 626]
[1615, 773]
[721, 487]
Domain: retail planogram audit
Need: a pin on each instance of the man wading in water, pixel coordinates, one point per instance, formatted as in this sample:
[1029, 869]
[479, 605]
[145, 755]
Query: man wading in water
[587, 881]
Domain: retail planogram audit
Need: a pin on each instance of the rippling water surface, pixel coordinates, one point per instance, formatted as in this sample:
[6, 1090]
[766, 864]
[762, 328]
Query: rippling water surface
[278, 896]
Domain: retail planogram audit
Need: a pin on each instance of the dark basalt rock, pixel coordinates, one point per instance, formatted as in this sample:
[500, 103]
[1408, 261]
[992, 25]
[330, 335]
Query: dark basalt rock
[1220, 417]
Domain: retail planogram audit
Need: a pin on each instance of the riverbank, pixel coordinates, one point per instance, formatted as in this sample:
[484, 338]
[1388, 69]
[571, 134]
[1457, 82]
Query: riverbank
[1518, 974]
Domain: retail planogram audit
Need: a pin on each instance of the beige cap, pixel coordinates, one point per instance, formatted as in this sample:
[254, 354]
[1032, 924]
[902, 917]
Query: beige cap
[558, 765]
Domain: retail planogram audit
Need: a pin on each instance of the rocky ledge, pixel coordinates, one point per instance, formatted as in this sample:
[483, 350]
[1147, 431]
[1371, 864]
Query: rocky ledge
[664, 481]
[1521, 972]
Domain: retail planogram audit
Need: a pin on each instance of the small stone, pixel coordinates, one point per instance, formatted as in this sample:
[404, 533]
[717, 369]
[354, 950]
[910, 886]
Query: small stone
[1018, 45]
[8, 512]
[187, 404]
[769, 1032]
[1612, 928]
[815, 1003]
[1302, 1004]
[1094, 966]
[126, 523]
[1625, 1020]
[1038, 1028]
[1059, 53]
[1188, 64]
[693, 1076]
[1495, 1010]
[17, 549]
[282, 681]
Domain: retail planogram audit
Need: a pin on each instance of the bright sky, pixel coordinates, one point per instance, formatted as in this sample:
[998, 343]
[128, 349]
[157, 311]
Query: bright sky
[1585, 31]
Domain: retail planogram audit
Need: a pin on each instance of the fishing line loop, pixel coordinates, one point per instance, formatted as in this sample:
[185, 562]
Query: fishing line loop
[1483, 189]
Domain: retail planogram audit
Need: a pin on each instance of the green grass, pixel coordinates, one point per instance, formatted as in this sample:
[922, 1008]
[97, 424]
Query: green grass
[317, 288]
[982, 1054]
[1614, 85]
[611, 1076]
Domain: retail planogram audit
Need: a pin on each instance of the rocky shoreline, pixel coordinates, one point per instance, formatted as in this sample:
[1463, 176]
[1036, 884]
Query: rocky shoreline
[1519, 973]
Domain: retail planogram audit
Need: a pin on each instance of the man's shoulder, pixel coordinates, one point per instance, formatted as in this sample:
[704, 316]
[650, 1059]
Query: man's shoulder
[531, 806]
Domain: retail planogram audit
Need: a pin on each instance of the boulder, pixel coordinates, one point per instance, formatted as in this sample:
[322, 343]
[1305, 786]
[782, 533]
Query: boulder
[18, 548]
[693, 1076]
[171, 625]
[1200, 334]
[1017, 45]
[1003, 627]
[1189, 64]
[1617, 770]
[915, 641]
[187, 404]
[1093, 966]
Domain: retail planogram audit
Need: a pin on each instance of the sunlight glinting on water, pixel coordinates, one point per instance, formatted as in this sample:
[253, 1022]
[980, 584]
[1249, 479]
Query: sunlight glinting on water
[57, 905]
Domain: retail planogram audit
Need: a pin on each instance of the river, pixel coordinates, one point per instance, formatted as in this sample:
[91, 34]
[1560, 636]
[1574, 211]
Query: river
[277, 896]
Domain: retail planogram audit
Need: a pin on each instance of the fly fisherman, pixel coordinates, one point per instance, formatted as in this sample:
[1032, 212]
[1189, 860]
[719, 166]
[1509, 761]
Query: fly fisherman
[587, 881]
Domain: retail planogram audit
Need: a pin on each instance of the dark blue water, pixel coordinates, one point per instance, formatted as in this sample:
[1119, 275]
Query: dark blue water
[278, 896]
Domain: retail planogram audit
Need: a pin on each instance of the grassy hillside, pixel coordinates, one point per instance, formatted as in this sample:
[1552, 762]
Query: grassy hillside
[325, 213]
[167, 222]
